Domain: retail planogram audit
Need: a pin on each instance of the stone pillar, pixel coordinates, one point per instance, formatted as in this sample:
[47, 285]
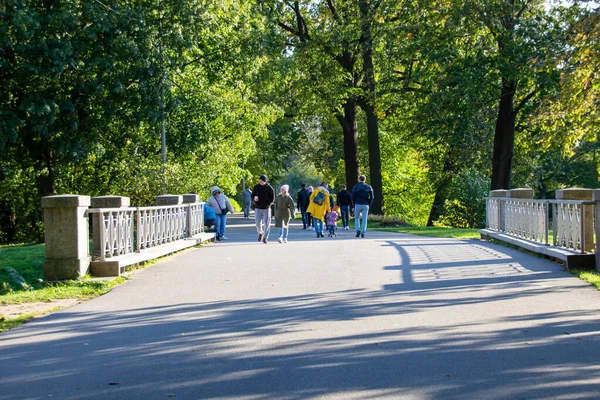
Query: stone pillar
[500, 193]
[520, 193]
[190, 198]
[588, 212]
[169, 200]
[104, 202]
[66, 236]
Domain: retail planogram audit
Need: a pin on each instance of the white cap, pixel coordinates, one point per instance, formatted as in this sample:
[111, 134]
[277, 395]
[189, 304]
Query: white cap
[286, 188]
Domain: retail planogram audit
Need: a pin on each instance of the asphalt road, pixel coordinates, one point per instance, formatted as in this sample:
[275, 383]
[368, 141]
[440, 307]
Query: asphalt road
[390, 316]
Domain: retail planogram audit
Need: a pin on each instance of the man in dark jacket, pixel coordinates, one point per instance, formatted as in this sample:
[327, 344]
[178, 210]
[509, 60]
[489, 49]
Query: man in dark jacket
[302, 203]
[362, 197]
[263, 196]
[344, 202]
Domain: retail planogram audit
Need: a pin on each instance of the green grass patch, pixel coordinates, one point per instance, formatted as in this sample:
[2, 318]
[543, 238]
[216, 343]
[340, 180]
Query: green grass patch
[27, 260]
[398, 225]
[11, 323]
[592, 277]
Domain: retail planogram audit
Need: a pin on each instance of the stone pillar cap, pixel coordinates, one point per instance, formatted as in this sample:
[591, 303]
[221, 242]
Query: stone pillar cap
[66, 200]
[498, 193]
[574, 194]
[520, 193]
[191, 198]
[169, 200]
[110, 201]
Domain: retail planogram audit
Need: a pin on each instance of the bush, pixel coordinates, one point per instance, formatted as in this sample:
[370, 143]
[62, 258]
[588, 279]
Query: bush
[235, 204]
[465, 205]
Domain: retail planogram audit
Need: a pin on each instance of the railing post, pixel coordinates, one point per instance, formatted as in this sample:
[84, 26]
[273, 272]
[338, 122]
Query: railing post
[596, 198]
[500, 194]
[546, 217]
[587, 214]
[139, 231]
[66, 232]
[189, 199]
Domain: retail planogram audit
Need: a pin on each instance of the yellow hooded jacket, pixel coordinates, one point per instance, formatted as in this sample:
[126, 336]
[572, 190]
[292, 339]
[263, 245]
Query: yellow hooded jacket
[319, 211]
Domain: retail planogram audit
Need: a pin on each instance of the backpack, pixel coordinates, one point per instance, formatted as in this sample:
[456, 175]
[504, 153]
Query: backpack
[319, 198]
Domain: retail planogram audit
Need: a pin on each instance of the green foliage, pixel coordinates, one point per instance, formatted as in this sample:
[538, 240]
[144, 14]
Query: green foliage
[465, 205]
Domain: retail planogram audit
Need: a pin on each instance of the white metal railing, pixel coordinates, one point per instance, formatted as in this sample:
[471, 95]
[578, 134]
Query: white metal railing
[116, 230]
[537, 220]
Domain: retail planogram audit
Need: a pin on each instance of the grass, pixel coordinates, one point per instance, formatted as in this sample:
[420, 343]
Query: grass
[28, 261]
[592, 277]
[395, 224]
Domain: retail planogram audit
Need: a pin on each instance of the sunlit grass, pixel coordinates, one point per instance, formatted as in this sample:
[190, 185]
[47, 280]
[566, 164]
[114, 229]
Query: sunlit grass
[592, 277]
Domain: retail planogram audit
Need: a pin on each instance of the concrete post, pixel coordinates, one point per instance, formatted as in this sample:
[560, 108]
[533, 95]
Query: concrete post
[169, 200]
[499, 193]
[104, 202]
[520, 193]
[66, 236]
[588, 212]
[596, 198]
[189, 199]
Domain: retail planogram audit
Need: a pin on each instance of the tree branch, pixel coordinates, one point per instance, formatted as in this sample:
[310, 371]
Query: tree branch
[524, 101]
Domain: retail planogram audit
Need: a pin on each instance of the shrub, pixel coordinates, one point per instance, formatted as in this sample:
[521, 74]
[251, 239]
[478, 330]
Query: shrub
[465, 205]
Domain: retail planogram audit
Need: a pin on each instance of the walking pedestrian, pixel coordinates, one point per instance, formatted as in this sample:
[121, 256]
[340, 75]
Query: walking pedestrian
[309, 218]
[284, 212]
[319, 206]
[221, 206]
[362, 197]
[344, 202]
[246, 201]
[263, 196]
[302, 203]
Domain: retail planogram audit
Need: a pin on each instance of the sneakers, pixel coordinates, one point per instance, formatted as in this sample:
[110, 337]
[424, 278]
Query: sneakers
[285, 240]
[223, 237]
[218, 238]
[280, 240]
[346, 228]
[322, 234]
[265, 241]
[357, 233]
[260, 237]
[362, 235]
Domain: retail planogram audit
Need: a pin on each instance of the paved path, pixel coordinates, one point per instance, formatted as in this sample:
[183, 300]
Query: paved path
[390, 316]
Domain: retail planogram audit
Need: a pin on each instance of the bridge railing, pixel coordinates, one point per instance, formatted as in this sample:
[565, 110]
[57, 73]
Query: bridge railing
[120, 235]
[562, 221]
[126, 230]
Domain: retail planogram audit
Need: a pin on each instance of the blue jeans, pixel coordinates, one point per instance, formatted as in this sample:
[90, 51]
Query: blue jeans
[246, 210]
[220, 225]
[358, 210]
[304, 216]
[318, 225]
[283, 232]
[345, 215]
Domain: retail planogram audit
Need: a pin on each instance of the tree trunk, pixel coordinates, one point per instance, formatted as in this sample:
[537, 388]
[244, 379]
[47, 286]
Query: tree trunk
[440, 192]
[350, 129]
[369, 106]
[504, 137]
[375, 178]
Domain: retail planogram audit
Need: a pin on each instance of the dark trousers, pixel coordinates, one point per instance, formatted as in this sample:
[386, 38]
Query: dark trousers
[345, 215]
[304, 216]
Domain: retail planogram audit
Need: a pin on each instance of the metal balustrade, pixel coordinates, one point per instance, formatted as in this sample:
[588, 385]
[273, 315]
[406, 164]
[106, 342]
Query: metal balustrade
[147, 227]
[537, 220]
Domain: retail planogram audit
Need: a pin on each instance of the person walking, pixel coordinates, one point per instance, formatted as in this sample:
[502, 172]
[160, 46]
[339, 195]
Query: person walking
[221, 206]
[362, 197]
[263, 196]
[302, 203]
[309, 218]
[319, 206]
[284, 212]
[246, 201]
[344, 202]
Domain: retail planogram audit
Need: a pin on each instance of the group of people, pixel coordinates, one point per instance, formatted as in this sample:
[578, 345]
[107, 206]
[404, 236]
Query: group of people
[316, 205]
